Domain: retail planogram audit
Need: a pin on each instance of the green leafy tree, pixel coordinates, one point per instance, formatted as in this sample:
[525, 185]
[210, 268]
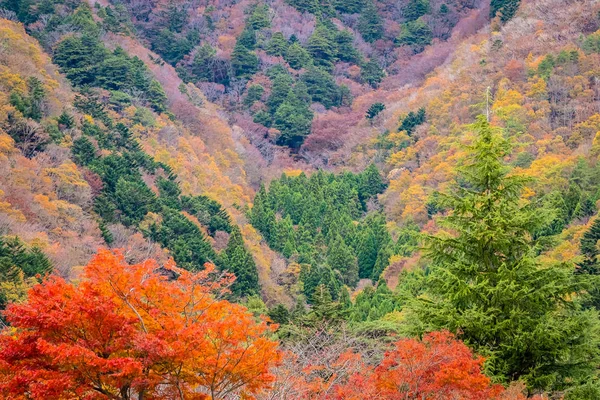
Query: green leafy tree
[134, 199]
[279, 314]
[30, 104]
[412, 120]
[300, 91]
[322, 88]
[78, 57]
[370, 24]
[344, 42]
[293, 119]
[382, 261]
[83, 18]
[589, 249]
[18, 265]
[416, 34]
[349, 6]
[264, 118]
[116, 19]
[208, 212]
[277, 46]
[283, 234]
[254, 94]
[238, 260]
[157, 98]
[324, 307]
[341, 258]
[169, 192]
[367, 250]
[297, 56]
[66, 120]
[322, 47]
[310, 6]
[372, 73]
[260, 215]
[172, 47]
[243, 61]
[590, 265]
[83, 151]
[203, 62]
[588, 391]
[86, 62]
[174, 16]
[487, 285]
[374, 110]
[31, 261]
[506, 9]
[546, 66]
[247, 38]
[116, 71]
[415, 9]
[370, 183]
[282, 85]
[184, 240]
[591, 43]
[259, 17]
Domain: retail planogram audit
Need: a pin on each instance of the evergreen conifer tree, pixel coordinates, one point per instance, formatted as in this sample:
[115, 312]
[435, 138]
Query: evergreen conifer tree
[321, 47]
[341, 258]
[488, 286]
[297, 56]
[243, 61]
[238, 260]
[277, 46]
[590, 264]
[370, 24]
[294, 120]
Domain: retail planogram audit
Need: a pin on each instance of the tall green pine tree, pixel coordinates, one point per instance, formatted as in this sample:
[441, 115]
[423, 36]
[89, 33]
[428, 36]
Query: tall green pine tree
[238, 260]
[487, 285]
[370, 24]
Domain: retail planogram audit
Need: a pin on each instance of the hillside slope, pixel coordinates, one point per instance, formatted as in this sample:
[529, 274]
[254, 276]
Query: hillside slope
[537, 78]
[46, 200]
[249, 90]
[50, 203]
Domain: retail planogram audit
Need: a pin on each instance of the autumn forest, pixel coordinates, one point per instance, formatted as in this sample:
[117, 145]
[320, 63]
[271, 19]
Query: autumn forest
[300, 199]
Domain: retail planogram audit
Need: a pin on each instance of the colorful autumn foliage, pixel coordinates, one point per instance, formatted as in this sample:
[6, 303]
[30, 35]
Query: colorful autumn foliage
[536, 76]
[439, 367]
[134, 331]
[436, 367]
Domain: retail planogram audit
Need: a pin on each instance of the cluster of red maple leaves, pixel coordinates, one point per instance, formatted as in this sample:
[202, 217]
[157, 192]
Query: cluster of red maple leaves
[148, 332]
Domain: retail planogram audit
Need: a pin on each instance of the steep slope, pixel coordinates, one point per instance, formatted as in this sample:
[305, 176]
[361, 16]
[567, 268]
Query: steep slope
[52, 203]
[537, 78]
[45, 199]
[247, 57]
[221, 139]
[208, 155]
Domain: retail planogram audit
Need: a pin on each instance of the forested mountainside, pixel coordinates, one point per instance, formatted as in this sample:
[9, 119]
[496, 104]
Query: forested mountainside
[303, 199]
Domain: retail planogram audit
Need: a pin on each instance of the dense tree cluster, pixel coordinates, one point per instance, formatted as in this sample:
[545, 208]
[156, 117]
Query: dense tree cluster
[131, 188]
[505, 9]
[287, 108]
[321, 222]
[485, 281]
[20, 268]
[86, 62]
[168, 217]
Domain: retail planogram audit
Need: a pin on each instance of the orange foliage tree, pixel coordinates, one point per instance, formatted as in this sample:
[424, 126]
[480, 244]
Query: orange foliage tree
[134, 332]
[438, 367]
[435, 368]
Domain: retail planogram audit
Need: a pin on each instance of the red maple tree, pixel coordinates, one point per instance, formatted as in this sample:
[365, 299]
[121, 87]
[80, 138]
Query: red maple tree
[134, 331]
